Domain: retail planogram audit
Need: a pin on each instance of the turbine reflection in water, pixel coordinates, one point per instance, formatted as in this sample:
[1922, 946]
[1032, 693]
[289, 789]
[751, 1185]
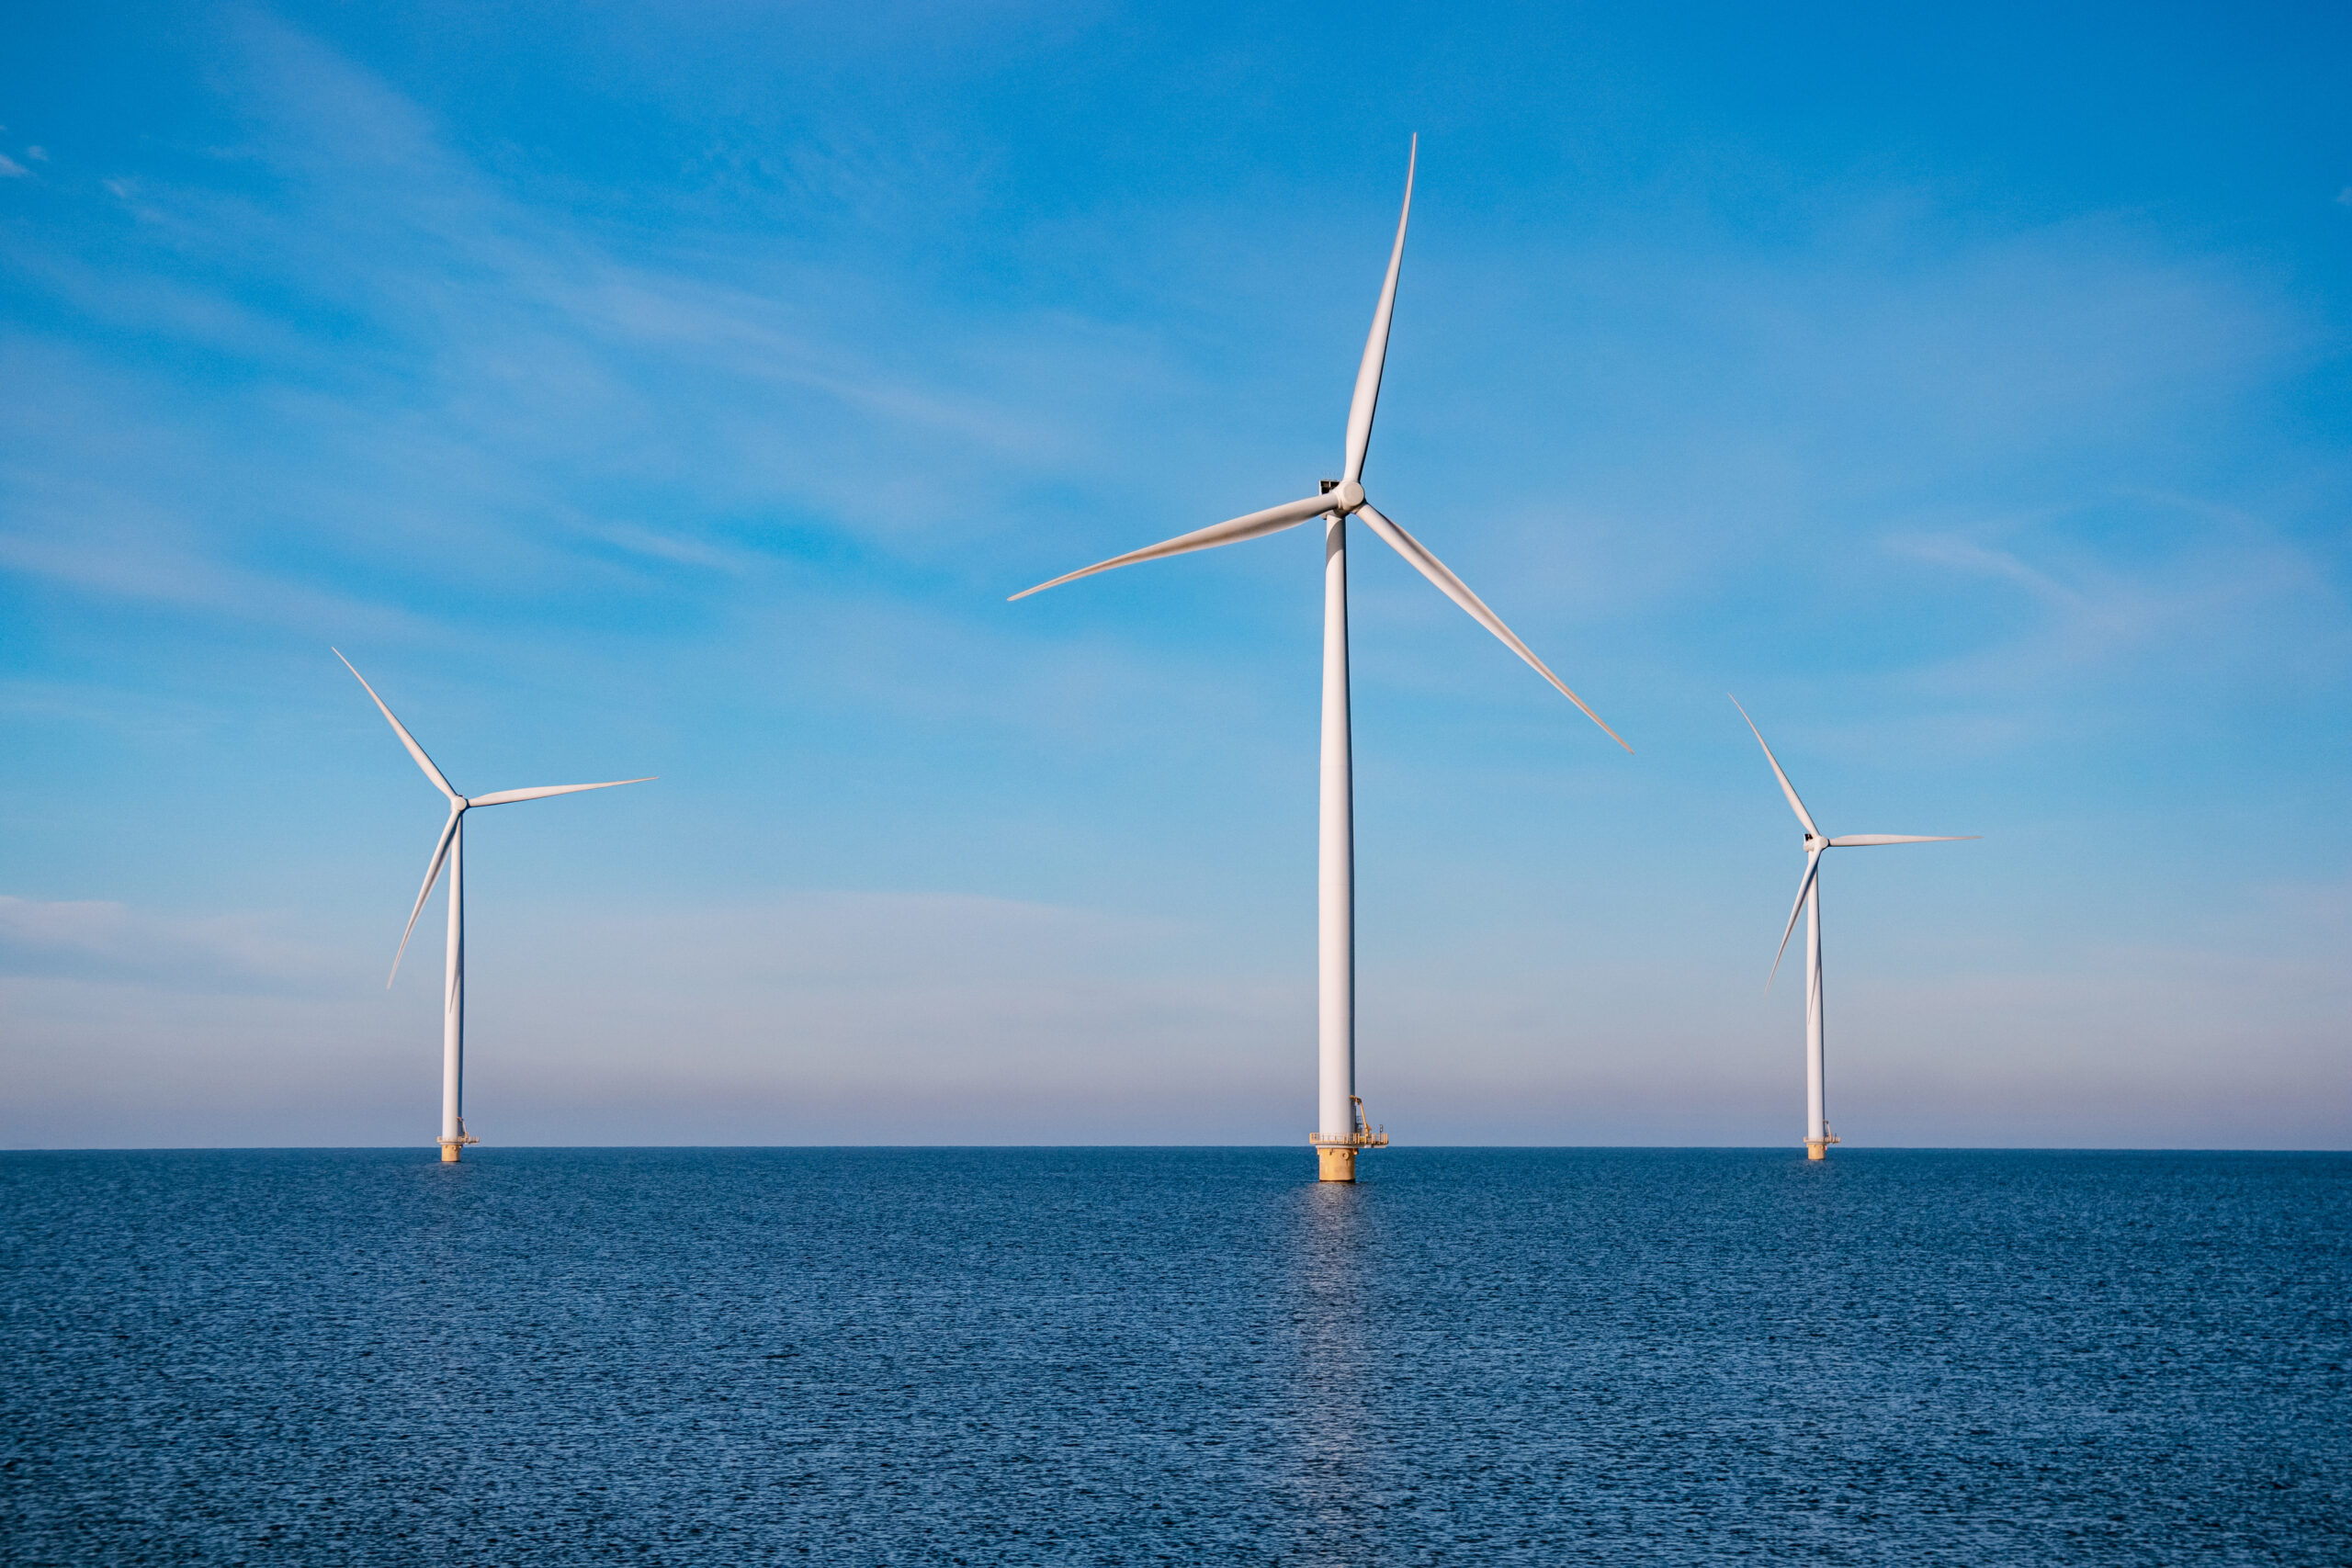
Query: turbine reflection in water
[1333, 1292]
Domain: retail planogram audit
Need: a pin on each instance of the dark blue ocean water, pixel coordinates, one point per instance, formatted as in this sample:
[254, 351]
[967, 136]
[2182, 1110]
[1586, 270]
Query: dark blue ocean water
[1182, 1356]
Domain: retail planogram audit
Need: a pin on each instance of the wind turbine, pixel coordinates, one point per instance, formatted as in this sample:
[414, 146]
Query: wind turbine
[1341, 1129]
[1818, 1137]
[450, 850]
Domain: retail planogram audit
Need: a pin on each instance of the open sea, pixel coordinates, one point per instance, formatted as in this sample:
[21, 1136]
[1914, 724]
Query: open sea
[1183, 1356]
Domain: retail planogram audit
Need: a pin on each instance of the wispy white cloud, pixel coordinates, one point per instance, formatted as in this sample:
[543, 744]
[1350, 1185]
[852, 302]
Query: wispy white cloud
[510, 371]
[92, 940]
[1972, 556]
[2216, 594]
[100, 539]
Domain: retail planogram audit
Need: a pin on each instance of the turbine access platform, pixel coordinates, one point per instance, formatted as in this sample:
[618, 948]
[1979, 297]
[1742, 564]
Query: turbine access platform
[1335, 1159]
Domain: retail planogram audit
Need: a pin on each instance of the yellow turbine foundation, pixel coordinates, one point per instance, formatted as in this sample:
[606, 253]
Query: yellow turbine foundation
[1335, 1158]
[449, 1151]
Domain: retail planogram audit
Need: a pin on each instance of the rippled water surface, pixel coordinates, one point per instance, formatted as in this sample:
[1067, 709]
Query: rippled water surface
[1174, 1356]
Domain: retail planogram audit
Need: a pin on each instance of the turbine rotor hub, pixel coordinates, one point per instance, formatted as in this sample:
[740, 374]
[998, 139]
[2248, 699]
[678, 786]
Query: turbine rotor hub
[1348, 496]
[1815, 841]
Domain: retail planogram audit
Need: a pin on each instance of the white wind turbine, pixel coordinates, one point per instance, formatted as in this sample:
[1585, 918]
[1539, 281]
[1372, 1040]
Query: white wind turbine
[1818, 1137]
[1341, 1130]
[451, 850]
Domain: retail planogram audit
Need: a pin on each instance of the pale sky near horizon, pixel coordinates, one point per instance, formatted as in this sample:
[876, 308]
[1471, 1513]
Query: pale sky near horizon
[682, 390]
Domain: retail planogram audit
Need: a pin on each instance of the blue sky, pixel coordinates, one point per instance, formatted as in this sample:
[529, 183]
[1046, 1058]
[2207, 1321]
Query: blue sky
[682, 390]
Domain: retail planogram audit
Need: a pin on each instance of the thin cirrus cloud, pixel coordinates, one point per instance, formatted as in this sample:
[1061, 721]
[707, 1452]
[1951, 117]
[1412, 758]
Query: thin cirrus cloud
[2224, 574]
[541, 357]
[503, 371]
[94, 940]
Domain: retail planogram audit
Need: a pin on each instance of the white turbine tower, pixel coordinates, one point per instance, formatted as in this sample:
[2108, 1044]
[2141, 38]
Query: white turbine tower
[451, 850]
[1818, 1137]
[1341, 1129]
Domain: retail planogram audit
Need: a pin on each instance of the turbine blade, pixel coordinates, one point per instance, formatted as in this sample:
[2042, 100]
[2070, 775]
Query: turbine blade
[398, 729]
[431, 875]
[1786, 787]
[1812, 870]
[1274, 519]
[507, 796]
[1375, 345]
[1867, 841]
[1453, 587]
